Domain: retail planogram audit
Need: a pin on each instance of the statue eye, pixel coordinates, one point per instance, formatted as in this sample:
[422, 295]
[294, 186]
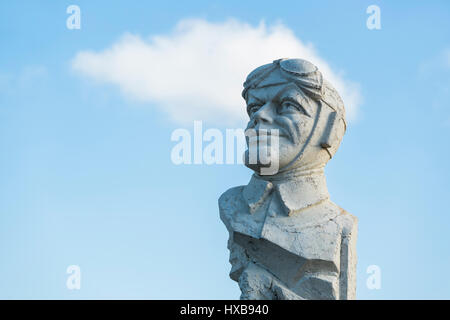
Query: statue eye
[291, 106]
[287, 106]
[251, 109]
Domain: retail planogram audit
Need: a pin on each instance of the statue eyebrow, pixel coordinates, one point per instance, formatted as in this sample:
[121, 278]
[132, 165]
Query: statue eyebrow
[301, 105]
[304, 104]
[251, 96]
[283, 90]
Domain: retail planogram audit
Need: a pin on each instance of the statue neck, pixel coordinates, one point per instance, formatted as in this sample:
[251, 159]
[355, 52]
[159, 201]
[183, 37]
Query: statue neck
[295, 174]
[299, 188]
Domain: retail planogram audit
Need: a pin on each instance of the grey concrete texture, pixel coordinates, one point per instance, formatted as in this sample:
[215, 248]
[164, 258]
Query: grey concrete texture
[287, 239]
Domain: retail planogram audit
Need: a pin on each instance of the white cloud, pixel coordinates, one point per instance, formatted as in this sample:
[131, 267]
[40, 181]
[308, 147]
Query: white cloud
[197, 71]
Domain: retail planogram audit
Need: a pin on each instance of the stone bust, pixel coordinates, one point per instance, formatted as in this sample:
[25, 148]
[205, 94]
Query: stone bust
[287, 239]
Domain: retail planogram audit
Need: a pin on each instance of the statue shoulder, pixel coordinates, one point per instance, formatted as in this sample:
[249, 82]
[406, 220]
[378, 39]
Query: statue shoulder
[348, 222]
[230, 202]
[230, 197]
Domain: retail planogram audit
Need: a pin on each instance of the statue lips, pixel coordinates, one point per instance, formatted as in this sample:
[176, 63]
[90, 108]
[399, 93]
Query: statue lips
[263, 136]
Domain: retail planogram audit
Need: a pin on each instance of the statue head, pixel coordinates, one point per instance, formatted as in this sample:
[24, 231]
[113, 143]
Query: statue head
[290, 103]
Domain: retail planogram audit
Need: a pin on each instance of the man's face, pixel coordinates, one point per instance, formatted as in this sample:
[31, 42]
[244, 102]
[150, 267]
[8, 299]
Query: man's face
[282, 107]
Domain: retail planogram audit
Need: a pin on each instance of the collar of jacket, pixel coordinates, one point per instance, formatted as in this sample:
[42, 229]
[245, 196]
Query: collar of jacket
[287, 196]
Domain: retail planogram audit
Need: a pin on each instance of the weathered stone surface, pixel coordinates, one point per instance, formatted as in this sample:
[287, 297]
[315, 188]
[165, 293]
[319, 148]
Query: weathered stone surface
[288, 240]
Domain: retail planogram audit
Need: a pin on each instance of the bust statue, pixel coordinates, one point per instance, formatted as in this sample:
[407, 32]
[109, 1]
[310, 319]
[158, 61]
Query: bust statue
[287, 239]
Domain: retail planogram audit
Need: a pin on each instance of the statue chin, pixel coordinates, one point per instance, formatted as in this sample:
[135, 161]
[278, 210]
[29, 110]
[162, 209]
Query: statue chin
[262, 166]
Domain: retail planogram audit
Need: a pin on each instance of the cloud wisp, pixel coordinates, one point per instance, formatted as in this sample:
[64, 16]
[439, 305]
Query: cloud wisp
[196, 71]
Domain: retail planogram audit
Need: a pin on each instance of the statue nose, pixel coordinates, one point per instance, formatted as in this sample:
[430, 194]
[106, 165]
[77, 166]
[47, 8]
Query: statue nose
[264, 114]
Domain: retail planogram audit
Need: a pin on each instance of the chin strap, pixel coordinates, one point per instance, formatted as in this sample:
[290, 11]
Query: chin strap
[328, 137]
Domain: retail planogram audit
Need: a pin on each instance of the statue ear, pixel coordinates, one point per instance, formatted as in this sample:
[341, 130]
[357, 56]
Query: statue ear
[328, 137]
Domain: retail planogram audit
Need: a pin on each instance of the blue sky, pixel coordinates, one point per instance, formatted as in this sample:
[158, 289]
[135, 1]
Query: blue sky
[86, 173]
